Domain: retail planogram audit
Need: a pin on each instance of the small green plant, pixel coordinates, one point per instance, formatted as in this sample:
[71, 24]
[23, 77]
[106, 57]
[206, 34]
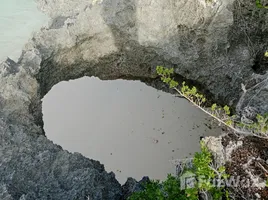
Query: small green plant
[260, 5]
[219, 113]
[170, 189]
[167, 190]
[165, 76]
[258, 127]
[206, 172]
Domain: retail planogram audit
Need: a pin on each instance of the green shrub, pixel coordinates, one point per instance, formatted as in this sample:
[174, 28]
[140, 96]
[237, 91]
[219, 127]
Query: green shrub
[167, 190]
[170, 188]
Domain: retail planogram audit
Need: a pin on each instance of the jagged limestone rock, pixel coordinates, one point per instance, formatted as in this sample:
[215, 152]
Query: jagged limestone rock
[217, 44]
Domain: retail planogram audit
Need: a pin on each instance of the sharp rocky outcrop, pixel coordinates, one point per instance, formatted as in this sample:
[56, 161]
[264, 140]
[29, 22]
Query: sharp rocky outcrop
[217, 44]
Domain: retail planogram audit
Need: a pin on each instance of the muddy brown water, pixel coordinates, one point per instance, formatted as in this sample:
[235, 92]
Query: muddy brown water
[133, 129]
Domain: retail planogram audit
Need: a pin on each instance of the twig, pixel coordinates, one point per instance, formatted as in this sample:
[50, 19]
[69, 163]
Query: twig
[219, 120]
[205, 194]
[262, 167]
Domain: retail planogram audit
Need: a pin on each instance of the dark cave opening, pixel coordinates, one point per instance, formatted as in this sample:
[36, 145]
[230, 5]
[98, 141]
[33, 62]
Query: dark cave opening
[260, 64]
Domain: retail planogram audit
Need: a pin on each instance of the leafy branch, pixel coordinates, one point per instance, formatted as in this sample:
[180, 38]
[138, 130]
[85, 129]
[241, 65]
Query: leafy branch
[220, 114]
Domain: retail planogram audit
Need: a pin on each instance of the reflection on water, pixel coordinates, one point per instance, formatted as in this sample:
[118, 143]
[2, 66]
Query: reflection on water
[133, 129]
[18, 19]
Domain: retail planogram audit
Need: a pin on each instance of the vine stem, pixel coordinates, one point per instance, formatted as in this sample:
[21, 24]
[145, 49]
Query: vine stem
[262, 167]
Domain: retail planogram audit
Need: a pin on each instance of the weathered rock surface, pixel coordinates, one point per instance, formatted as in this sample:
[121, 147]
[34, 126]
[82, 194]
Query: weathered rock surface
[245, 159]
[33, 168]
[218, 44]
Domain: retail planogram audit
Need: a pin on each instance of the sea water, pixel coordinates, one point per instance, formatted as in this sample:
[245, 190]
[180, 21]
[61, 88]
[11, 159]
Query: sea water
[18, 20]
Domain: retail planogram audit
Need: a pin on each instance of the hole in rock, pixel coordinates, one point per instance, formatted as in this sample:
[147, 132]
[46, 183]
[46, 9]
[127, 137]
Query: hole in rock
[133, 129]
[260, 64]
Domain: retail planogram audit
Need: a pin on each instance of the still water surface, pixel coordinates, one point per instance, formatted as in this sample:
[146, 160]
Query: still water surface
[133, 129]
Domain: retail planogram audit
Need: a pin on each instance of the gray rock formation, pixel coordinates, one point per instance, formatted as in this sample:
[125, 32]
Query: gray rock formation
[32, 167]
[219, 44]
[216, 44]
